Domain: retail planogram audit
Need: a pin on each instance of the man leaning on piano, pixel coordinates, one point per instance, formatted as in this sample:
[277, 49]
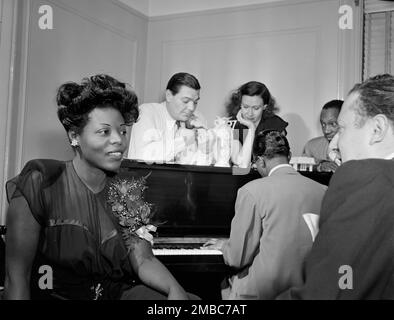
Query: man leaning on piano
[165, 131]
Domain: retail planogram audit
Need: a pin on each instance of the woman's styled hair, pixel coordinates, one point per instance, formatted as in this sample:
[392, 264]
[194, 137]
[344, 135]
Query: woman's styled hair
[252, 88]
[75, 101]
[270, 144]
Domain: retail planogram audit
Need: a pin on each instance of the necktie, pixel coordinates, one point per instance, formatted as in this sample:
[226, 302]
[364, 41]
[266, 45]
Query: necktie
[177, 126]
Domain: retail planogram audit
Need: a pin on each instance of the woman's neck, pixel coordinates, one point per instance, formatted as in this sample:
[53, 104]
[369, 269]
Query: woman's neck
[93, 177]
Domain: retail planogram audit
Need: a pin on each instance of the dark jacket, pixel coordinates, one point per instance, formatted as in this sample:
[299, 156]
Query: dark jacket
[355, 244]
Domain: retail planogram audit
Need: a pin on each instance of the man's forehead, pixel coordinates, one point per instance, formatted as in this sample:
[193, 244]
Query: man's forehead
[328, 114]
[188, 92]
[350, 101]
[348, 107]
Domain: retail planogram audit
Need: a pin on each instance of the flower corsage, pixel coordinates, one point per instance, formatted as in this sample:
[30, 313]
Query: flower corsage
[134, 214]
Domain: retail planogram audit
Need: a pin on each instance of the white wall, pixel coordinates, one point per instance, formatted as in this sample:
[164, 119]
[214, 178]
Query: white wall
[292, 46]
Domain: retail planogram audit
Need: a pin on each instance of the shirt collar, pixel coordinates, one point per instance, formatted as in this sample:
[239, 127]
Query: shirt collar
[278, 167]
[169, 120]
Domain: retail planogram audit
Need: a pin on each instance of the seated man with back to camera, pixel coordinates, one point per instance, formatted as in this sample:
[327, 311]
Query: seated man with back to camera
[274, 224]
[164, 130]
[319, 148]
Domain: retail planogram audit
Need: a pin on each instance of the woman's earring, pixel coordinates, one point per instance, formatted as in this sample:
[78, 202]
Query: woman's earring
[74, 143]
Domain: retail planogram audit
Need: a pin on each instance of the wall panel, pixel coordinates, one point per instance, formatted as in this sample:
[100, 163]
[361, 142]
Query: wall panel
[86, 39]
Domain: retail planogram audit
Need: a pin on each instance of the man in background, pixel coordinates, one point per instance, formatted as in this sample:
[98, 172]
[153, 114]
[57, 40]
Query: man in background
[164, 130]
[319, 148]
[353, 254]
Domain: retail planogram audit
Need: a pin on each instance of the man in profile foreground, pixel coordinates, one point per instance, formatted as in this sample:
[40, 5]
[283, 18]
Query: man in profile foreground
[353, 254]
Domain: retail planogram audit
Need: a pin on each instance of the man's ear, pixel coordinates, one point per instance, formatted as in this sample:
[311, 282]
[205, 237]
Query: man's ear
[169, 95]
[380, 125]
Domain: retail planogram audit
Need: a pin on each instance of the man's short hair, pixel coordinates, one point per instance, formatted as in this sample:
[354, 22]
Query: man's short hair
[182, 79]
[271, 144]
[375, 96]
[333, 104]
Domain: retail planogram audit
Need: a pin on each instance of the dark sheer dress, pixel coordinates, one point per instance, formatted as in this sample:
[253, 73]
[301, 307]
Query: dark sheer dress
[80, 238]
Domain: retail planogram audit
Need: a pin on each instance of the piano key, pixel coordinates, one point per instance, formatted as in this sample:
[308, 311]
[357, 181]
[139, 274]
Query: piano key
[185, 252]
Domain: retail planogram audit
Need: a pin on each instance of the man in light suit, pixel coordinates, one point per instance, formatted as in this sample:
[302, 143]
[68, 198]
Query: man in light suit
[274, 224]
[165, 131]
[353, 255]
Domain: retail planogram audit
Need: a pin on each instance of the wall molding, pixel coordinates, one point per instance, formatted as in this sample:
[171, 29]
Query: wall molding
[130, 9]
[23, 106]
[60, 4]
[22, 93]
[8, 49]
[1, 10]
[249, 7]
[264, 34]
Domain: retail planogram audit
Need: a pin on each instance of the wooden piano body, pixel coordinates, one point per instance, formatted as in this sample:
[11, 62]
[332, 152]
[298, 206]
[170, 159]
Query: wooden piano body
[196, 203]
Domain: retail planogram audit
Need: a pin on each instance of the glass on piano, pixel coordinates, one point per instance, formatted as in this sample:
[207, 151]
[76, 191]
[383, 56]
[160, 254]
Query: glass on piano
[223, 131]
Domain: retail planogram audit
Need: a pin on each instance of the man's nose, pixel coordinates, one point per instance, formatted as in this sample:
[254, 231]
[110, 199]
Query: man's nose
[327, 129]
[191, 105]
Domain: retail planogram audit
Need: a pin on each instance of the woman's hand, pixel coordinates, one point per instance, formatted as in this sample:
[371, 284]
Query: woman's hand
[244, 121]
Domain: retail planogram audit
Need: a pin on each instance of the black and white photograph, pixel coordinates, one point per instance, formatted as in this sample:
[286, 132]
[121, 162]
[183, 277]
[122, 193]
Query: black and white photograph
[215, 151]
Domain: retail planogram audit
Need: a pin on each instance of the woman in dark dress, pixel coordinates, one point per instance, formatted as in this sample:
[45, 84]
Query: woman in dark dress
[253, 107]
[64, 236]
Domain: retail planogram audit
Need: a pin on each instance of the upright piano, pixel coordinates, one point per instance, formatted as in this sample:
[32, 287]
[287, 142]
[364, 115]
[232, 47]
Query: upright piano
[194, 204]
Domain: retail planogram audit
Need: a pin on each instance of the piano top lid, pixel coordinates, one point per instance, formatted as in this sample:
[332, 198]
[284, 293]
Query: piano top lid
[135, 164]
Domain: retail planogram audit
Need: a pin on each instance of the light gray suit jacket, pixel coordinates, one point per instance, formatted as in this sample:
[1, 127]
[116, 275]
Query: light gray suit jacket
[269, 237]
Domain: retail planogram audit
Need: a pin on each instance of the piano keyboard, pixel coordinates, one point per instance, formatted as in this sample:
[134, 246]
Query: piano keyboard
[182, 247]
[185, 252]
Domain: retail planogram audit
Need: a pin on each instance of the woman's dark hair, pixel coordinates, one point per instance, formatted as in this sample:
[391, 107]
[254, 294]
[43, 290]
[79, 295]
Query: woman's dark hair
[252, 88]
[75, 101]
[182, 79]
[270, 144]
